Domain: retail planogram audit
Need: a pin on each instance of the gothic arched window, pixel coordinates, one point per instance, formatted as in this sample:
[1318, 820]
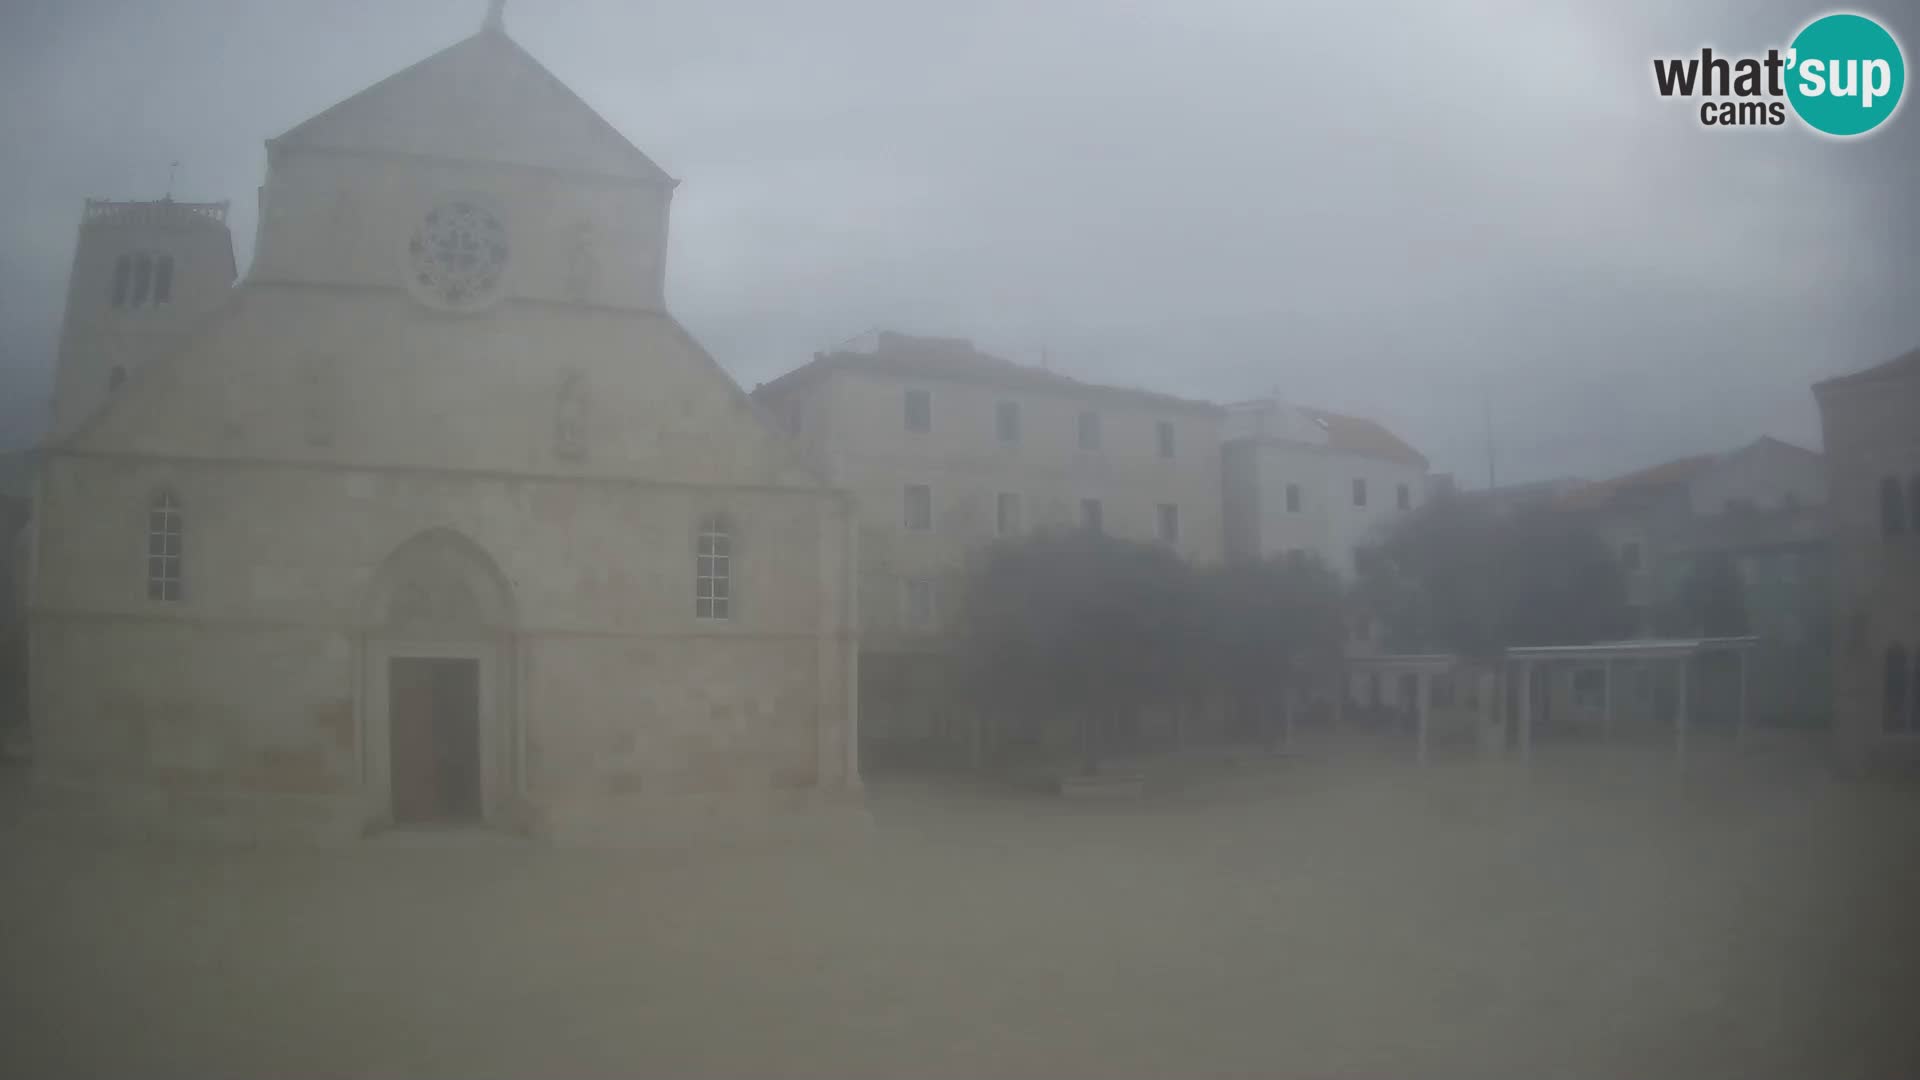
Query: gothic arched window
[142, 279]
[122, 277]
[164, 536]
[713, 569]
[163, 280]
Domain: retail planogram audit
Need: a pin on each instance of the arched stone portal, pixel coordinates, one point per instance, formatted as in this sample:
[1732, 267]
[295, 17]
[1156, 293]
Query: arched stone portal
[442, 734]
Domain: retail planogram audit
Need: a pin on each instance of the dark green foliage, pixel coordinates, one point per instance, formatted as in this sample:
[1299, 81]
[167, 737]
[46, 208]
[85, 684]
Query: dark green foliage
[1081, 624]
[1456, 577]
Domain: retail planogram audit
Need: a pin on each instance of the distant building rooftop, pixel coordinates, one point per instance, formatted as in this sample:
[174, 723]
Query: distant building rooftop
[1274, 421]
[1905, 366]
[1665, 476]
[900, 355]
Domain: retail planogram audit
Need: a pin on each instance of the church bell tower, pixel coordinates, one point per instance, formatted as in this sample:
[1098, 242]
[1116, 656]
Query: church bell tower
[144, 273]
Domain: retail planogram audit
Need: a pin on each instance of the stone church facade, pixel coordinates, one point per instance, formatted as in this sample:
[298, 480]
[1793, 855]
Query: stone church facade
[438, 515]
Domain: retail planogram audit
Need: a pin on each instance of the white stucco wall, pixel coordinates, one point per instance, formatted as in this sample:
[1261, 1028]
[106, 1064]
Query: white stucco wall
[855, 423]
[1327, 523]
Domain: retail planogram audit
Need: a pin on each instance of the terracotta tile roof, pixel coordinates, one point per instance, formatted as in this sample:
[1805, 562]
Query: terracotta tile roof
[956, 359]
[1368, 438]
[1906, 366]
[1675, 473]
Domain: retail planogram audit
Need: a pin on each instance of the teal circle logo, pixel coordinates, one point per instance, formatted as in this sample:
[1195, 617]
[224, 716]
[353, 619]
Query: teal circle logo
[1845, 74]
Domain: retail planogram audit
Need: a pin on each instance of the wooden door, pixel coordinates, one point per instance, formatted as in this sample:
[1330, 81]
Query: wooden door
[410, 716]
[456, 728]
[433, 713]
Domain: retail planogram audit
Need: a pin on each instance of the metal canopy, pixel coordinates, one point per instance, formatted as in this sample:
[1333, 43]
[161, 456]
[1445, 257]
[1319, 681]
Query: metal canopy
[1637, 649]
[1525, 657]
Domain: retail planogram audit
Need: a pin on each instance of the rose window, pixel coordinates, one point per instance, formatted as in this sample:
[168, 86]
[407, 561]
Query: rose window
[458, 255]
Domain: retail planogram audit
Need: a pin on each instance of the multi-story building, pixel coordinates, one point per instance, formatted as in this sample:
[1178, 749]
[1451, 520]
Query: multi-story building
[1871, 421]
[945, 448]
[1758, 509]
[1660, 519]
[1307, 480]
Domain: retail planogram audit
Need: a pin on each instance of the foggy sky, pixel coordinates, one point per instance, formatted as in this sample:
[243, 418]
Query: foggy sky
[1411, 216]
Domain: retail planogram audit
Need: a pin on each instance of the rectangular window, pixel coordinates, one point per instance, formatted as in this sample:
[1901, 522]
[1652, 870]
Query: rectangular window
[919, 410]
[1090, 514]
[919, 603]
[919, 507]
[1166, 438]
[1007, 513]
[1089, 430]
[1359, 491]
[1406, 497]
[1293, 498]
[1169, 523]
[1006, 416]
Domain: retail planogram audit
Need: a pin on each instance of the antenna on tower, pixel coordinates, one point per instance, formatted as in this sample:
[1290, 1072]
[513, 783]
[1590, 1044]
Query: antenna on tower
[172, 167]
[496, 15]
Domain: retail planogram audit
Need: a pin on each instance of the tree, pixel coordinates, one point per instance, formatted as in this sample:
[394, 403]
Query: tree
[1078, 621]
[1265, 627]
[1457, 577]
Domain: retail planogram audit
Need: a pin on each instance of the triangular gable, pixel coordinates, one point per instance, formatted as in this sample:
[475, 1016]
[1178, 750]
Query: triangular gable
[481, 99]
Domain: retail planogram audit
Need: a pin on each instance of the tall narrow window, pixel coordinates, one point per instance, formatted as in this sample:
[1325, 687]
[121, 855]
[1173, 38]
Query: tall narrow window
[122, 279]
[1359, 491]
[1913, 502]
[1405, 497]
[1169, 523]
[1090, 514]
[163, 280]
[1006, 416]
[919, 603]
[1007, 514]
[1165, 429]
[919, 410]
[713, 570]
[1893, 517]
[1089, 430]
[164, 536]
[1895, 705]
[142, 279]
[919, 516]
[1293, 498]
